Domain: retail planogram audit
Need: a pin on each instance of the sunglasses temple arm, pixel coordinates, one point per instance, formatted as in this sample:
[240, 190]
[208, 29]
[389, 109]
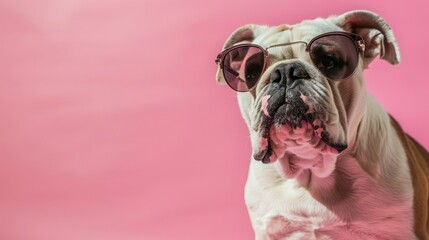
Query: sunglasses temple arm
[218, 59]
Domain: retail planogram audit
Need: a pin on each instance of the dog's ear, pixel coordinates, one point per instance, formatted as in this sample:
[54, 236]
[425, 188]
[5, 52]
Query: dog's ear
[378, 36]
[245, 33]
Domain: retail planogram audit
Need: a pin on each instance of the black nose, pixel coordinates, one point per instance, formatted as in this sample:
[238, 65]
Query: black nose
[287, 73]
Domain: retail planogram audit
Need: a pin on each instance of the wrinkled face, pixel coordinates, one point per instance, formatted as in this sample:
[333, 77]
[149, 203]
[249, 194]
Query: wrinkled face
[305, 101]
[299, 115]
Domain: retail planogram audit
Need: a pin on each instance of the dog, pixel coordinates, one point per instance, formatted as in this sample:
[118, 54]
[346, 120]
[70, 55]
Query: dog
[328, 162]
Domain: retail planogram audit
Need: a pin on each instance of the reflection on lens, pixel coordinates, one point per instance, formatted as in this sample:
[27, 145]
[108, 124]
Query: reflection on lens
[335, 56]
[243, 66]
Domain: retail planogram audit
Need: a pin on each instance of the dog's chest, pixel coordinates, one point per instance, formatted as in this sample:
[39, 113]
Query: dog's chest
[284, 210]
[287, 214]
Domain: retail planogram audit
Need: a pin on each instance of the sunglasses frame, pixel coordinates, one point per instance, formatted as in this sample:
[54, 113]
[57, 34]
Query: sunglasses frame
[355, 38]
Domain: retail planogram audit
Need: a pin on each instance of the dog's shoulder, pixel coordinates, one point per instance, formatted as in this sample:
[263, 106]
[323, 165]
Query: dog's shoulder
[414, 150]
[418, 160]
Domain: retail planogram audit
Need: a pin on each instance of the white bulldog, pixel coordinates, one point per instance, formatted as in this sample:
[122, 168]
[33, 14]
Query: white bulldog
[337, 165]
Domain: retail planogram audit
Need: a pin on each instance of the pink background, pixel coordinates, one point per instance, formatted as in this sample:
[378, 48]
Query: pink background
[112, 125]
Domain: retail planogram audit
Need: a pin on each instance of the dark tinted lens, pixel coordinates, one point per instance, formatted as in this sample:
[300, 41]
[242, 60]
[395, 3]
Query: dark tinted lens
[335, 56]
[243, 66]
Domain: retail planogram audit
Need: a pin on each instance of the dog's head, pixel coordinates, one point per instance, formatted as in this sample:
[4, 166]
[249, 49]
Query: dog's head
[302, 90]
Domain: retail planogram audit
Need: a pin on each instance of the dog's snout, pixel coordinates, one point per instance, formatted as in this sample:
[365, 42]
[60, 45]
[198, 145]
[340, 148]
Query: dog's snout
[288, 73]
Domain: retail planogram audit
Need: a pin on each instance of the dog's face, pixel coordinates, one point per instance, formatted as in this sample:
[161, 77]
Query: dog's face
[305, 108]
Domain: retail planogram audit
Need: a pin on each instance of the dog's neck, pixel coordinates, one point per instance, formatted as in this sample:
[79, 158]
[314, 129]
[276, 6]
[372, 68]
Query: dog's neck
[378, 148]
[370, 147]
[374, 155]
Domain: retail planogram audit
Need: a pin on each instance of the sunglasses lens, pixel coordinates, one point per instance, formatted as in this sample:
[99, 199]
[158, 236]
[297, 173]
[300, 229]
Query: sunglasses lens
[335, 56]
[243, 66]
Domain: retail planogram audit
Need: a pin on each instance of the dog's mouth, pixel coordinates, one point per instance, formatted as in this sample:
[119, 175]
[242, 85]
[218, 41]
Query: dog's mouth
[289, 121]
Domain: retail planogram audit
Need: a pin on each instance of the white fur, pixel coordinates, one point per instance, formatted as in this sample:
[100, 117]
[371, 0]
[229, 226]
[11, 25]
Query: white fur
[363, 193]
[384, 190]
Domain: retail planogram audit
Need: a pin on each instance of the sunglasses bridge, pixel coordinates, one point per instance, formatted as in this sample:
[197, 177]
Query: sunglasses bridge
[360, 42]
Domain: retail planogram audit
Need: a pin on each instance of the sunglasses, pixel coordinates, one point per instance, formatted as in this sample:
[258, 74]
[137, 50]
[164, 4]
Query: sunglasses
[335, 54]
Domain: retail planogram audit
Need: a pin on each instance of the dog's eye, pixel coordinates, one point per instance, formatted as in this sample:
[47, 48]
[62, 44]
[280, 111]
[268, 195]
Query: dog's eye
[253, 72]
[254, 68]
[329, 62]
